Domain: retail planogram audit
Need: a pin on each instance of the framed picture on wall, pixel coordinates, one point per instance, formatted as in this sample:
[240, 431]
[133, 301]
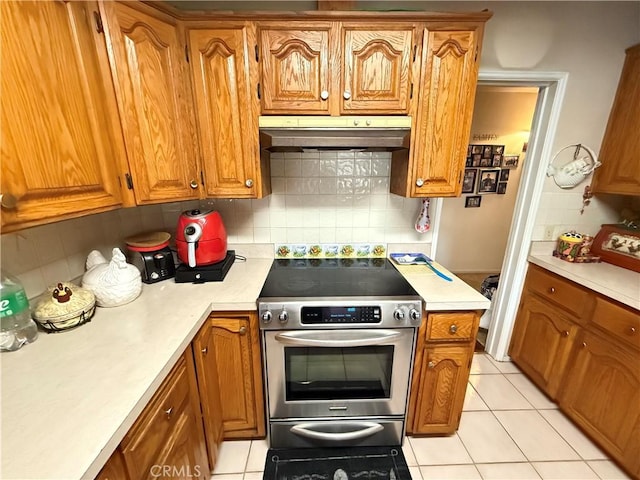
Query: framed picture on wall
[504, 175]
[488, 181]
[497, 160]
[476, 149]
[469, 162]
[476, 158]
[469, 180]
[510, 161]
[498, 149]
[487, 151]
[502, 188]
[472, 202]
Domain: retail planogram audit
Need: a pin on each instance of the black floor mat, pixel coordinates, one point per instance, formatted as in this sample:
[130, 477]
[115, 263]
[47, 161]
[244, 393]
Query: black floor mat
[355, 463]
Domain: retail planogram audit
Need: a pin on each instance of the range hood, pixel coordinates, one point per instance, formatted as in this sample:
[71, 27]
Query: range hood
[298, 133]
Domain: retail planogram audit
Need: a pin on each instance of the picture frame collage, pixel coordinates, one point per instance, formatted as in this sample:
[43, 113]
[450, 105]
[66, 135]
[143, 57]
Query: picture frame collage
[487, 170]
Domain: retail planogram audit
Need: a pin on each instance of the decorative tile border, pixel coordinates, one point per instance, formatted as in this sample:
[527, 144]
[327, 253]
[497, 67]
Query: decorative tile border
[331, 250]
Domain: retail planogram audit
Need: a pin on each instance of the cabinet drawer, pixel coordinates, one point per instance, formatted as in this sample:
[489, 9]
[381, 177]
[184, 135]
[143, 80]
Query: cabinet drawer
[557, 290]
[149, 434]
[450, 326]
[622, 322]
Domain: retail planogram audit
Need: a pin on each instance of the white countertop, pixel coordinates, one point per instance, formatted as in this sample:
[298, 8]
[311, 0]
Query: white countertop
[615, 282]
[69, 398]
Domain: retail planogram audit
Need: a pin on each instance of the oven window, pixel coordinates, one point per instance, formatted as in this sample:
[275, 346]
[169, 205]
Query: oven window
[326, 373]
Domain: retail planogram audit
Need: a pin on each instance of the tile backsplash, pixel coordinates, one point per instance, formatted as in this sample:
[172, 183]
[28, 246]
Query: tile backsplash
[318, 197]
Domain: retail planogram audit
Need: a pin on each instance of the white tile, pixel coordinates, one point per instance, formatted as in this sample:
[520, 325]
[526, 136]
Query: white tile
[232, 457]
[292, 167]
[450, 472]
[409, 456]
[532, 393]
[439, 451]
[504, 367]
[486, 440]
[482, 364]
[578, 440]
[472, 400]
[257, 456]
[415, 473]
[345, 167]
[252, 476]
[565, 471]
[535, 437]
[607, 470]
[55, 272]
[507, 471]
[498, 393]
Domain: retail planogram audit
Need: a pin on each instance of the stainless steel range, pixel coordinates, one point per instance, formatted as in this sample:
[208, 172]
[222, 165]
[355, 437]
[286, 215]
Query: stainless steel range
[338, 338]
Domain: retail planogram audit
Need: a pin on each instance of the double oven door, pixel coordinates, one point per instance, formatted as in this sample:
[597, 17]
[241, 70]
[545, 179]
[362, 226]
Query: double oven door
[314, 378]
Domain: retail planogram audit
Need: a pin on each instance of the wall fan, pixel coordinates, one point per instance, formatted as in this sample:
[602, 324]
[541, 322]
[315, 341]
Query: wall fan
[571, 165]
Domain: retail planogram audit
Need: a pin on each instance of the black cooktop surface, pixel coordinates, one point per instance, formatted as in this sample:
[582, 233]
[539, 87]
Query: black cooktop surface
[335, 277]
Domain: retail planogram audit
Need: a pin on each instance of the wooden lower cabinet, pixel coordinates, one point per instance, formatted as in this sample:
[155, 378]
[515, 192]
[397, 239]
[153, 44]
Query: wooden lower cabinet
[237, 353]
[114, 469]
[587, 360]
[444, 353]
[602, 394]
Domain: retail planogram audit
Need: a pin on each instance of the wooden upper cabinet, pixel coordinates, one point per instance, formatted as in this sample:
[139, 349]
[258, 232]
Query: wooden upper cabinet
[149, 70]
[224, 78]
[434, 165]
[297, 67]
[620, 170]
[377, 69]
[60, 137]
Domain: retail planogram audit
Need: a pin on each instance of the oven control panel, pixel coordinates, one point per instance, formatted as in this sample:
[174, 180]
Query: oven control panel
[340, 315]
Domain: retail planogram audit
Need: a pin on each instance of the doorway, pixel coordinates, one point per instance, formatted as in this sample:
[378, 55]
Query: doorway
[551, 87]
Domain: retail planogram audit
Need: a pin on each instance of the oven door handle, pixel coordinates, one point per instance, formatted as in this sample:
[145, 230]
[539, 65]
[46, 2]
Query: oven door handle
[306, 430]
[332, 338]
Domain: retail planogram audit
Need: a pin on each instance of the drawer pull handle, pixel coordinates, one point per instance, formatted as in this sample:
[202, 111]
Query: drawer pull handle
[242, 330]
[565, 333]
[168, 412]
[431, 364]
[205, 350]
[453, 328]
[632, 330]
[552, 290]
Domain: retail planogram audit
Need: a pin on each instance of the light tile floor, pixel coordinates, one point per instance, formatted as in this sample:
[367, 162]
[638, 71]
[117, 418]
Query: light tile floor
[509, 430]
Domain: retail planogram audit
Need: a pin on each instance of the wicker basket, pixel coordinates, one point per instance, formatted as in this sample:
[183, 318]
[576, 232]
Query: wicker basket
[64, 306]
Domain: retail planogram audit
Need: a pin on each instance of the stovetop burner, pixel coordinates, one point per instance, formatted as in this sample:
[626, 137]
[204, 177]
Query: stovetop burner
[335, 277]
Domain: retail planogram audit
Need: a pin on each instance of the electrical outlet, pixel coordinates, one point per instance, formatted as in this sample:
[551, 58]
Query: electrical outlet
[548, 232]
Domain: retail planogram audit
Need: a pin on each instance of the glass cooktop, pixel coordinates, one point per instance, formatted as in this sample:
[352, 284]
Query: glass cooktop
[335, 277]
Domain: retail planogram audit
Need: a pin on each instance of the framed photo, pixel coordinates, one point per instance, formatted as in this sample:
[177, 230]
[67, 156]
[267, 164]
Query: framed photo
[488, 182]
[502, 188]
[469, 150]
[487, 151]
[498, 149]
[476, 149]
[510, 161]
[469, 180]
[476, 158]
[485, 162]
[472, 202]
[497, 159]
[504, 175]
[469, 162]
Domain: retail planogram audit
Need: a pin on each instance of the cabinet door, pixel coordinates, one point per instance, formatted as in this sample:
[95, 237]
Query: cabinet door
[237, 348]
[602, 395]
[60, 137]
[620, 170]
[377, 69]
[148, 66]
[114, 469]
[227, 112]
[541, 342]
[296, 62]
[444, 376]
[448, 85]
[209, 389]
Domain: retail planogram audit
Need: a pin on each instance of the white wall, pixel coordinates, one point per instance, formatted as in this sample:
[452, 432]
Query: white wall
[508, 114]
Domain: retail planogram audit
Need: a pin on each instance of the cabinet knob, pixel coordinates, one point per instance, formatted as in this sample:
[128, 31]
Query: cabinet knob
[453, 328]
[243, 330]
[205, 350]
[193, 184]
[249, 183]
[324, 94]
[8, 201]
[168, 412]
[431, 364]
[632, 330]
[346, 95]
[565, 333]
[584, 344]
[419, 182]
[552, 290]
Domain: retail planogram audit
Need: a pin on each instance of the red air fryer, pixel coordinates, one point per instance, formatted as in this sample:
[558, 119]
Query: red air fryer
[201, 238]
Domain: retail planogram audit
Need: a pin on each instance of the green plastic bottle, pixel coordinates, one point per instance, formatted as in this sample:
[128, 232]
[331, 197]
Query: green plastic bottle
[16, 326]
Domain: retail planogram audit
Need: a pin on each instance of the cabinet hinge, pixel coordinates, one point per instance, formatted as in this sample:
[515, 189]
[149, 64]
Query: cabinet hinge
[98, 19]
[259, 91]
[415, 51]
[411, 91]
[186, 52]
[129, 181]
[257, 53]
[202, 178]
